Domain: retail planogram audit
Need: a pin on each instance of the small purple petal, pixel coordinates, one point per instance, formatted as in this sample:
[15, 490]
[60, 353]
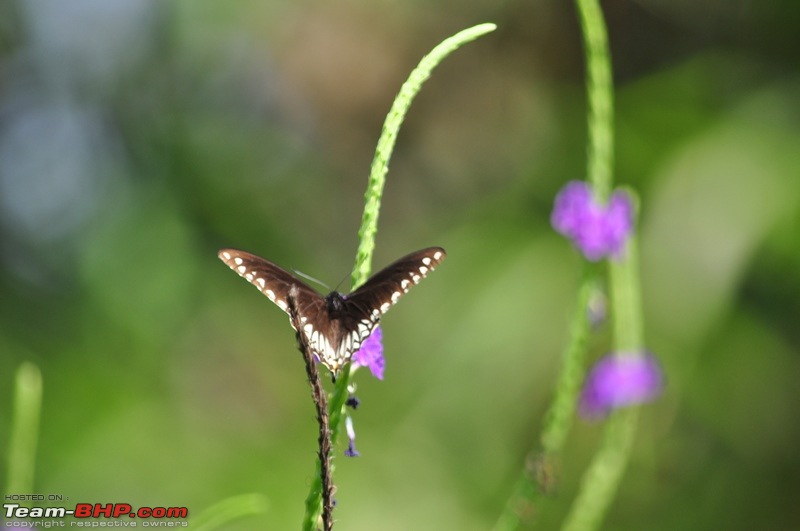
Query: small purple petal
[351, 450]
[591, 235]
[371, 354]
[351, 435]
[620, 380]
[597, 230]
[570, 205]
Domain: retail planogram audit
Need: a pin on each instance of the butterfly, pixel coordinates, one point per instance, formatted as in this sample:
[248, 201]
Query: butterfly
[335, 325]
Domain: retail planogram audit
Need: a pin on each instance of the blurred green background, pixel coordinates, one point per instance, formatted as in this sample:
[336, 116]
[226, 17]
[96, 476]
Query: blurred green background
[138, 137]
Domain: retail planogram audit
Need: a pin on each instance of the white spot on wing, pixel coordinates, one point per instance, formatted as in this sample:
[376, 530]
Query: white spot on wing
[437, 255]
[226, 255]
[241, 269]
[261, 282]
[385, 307]
[237, 260]
[395, 296]
[404, 284]
[271, 294]
[363, 330]
[423, 270]
[426, 261]
[282, 305]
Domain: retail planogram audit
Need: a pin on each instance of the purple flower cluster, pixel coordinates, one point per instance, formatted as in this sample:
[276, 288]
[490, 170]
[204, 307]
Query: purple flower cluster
[599, 231]
[371, 354]
[619, 380]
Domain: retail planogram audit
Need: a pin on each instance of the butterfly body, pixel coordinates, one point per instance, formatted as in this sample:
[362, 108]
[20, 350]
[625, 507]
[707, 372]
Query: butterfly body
[336, 325]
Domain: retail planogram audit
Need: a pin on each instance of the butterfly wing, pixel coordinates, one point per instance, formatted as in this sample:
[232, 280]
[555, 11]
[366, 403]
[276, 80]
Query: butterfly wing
[324, 333]
[361, 311]
[274, 282]
[368, 303]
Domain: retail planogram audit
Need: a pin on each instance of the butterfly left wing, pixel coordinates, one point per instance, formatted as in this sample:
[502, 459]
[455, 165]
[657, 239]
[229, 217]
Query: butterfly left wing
[326, 337]
[274, 282]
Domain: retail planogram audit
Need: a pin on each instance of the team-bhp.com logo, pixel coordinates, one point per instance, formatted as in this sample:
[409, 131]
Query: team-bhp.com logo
[88, 515]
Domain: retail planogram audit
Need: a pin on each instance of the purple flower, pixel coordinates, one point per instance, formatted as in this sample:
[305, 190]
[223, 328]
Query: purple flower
[371, 354]
[620, 380]
[351, 435]
[597, 230]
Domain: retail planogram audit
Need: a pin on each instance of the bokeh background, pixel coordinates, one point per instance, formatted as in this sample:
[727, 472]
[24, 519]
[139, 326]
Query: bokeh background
[138, 137]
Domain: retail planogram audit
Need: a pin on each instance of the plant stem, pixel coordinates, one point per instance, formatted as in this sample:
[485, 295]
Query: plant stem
[369, 220]
[383, 151]
[24, 428]
[324, 441]
[602, 479]
[600, 94]
[541, 464]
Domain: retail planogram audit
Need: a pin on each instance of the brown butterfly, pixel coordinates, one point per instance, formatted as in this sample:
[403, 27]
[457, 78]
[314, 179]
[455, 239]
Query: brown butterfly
[335, 326]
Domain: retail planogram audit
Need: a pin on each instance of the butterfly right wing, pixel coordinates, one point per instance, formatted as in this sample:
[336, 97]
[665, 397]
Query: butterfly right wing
[385, 288]
[274, 282]
[367, 304]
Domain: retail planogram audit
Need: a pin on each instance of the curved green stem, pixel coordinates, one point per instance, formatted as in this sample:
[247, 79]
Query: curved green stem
[383, 152]
[369, 223]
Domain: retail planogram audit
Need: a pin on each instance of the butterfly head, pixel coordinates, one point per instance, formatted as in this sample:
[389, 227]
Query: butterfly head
[335, 302]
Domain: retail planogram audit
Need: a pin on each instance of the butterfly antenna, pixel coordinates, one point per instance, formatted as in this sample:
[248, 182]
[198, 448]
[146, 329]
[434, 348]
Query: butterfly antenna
[339, 285]
[312, 279]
